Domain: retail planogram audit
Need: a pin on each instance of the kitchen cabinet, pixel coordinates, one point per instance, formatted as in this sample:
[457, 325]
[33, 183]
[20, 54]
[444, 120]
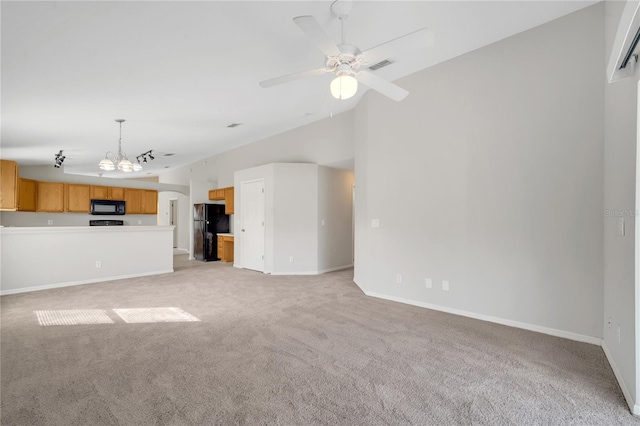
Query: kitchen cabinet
[27, 195]
[228, 200]
[116, 193]
[216, 194]
[50, 197]
[133, 199]
[225, 248]
[78, 198]
[8, 185]
[106, 193]
[150, 202]
[226, 195]
[99, 192]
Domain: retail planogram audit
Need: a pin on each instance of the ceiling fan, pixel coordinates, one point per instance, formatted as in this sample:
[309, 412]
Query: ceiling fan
[345, 60]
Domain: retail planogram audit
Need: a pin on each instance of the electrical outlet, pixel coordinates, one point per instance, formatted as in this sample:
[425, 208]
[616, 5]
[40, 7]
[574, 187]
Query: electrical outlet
[290, 259]
[50, 222]
[139, 222]
[445, 285]
[428, 283]
[609, 323]
[322, 222]
[399, 278]
[618, 332]
[98, 264]
[375, 223]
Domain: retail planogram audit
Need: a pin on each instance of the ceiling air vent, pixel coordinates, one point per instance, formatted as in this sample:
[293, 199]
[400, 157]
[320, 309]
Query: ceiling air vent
[380, 64]
[169, 154]
[232, 125]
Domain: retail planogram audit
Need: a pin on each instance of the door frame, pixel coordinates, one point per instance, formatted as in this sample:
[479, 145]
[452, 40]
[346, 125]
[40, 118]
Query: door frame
[173, 216]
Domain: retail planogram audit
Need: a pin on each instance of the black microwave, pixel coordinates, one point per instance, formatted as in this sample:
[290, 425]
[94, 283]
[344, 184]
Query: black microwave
[112, 207]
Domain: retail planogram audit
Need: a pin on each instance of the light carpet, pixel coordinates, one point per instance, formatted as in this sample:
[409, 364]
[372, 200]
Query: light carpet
[289, 350]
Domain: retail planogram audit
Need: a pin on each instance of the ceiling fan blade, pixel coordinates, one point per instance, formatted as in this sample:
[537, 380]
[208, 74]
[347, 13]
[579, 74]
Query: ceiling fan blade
[411, 42]
[315, 32]
[383, 86]
[291, 77]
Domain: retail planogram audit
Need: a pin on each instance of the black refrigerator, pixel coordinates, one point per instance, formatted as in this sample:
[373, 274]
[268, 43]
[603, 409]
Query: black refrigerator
[208, 221]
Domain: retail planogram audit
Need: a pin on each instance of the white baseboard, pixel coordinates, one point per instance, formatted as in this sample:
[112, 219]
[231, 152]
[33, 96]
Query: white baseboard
[73, 283]
[635, 408]
[531, 327]
[322, 271]
[337, 268]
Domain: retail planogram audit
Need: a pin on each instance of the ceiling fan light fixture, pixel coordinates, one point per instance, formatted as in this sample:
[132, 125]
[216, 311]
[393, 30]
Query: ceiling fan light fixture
[343, 87]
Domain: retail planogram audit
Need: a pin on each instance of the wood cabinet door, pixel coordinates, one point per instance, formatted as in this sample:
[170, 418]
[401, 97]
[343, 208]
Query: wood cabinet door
[50, 197]
[133, 200]
[78, 198]
[150, 202]
[116, 193]
[229, 200]
[27, 195]
[99, 192]
[8, 185]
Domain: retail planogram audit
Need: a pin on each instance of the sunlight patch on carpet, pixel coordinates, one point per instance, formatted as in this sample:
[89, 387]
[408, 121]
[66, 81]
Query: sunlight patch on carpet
[73, 317]
[147, 315]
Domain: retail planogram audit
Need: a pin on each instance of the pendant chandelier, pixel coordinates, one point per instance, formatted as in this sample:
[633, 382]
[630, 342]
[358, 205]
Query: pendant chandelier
[119, 160]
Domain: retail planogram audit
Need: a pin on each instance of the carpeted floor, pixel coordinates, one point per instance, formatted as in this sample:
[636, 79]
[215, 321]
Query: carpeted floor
[285, 350]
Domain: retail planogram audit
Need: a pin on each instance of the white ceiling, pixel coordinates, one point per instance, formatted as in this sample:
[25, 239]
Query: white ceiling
[180, 72]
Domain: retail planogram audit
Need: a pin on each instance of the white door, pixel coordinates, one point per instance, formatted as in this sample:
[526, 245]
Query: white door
[173, 220]
[252, 224]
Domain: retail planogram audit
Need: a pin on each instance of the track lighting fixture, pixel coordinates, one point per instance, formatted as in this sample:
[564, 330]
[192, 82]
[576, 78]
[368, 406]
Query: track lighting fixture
[144, 157]
[59, 160]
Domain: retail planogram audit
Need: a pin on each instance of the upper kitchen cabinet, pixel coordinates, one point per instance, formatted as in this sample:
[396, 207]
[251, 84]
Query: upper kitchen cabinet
[216, 194]
[133, 200]
[50, 197]
[100, 192]
[150, 202]
[229, 200]
[27, 195]
[106, 193]
[78, 198]
[8, 185]
[116, 193]
[226, 195]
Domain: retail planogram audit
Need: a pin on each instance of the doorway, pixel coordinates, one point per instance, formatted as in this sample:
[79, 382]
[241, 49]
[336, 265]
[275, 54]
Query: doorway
[173, 219]
[252, 233]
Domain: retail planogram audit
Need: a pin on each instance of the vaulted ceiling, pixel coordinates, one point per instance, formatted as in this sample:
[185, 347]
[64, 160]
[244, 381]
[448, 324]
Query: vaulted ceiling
[181, 72]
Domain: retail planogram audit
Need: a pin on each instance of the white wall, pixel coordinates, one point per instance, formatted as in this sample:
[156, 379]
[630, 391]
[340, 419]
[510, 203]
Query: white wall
[490, 175]
[335, 218]
[67, 255]
[619, 202]
[295, 219]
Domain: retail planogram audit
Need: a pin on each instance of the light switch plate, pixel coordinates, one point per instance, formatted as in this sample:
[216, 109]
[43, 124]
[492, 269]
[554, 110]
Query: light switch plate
[375, 223]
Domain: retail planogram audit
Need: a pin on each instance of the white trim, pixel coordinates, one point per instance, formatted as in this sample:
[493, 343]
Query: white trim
[322, 271]
[74, 283]
[635, 409]
[336, 268]
[532, 327]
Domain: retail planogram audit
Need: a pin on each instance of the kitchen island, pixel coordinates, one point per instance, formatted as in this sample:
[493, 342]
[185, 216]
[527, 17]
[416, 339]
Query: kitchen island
[38, 258]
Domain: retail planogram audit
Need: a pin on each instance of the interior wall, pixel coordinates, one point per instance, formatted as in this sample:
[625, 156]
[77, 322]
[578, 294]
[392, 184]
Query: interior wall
[335, 218]
[295, 219]
[490, 176]
[619, 204]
